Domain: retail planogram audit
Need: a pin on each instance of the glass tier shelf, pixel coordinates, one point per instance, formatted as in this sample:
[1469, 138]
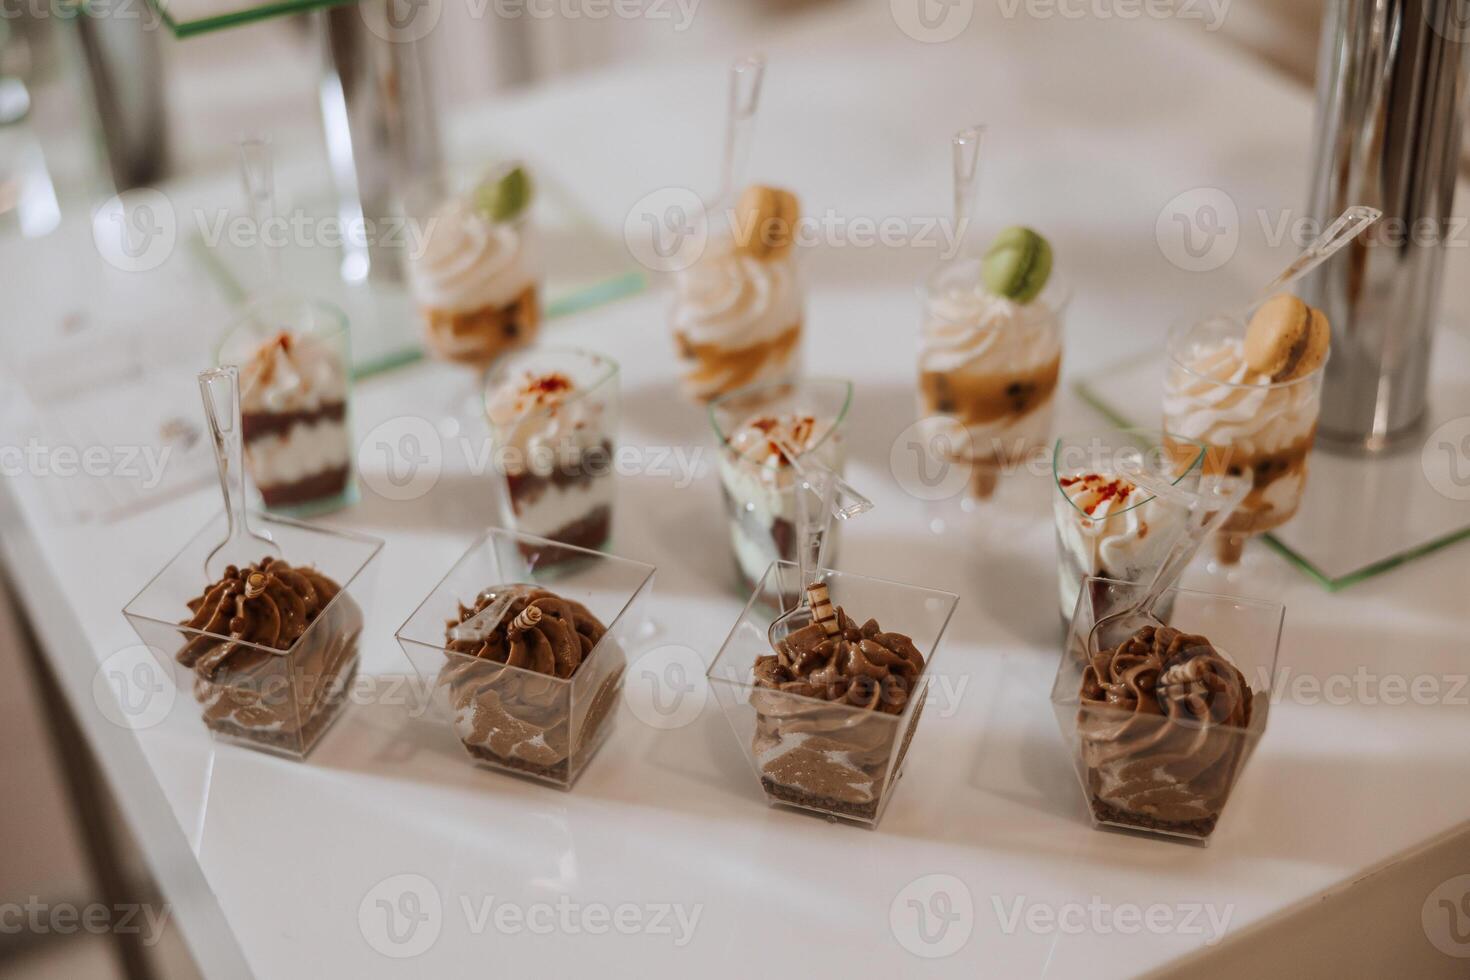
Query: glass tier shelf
[588, 268]
[189, 17]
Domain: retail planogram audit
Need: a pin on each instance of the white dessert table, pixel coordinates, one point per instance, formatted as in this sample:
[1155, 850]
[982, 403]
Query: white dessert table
[387, 855]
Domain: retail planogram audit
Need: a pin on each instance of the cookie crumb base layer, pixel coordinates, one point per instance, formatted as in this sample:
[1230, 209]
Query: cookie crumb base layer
[1108, 814]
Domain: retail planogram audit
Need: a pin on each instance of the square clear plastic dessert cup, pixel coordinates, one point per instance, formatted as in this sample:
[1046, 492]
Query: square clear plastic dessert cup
[856, 754]
[543, 728]
[282, 701]
[556, 461]
[300, 457]
[760, 498]
[1125, 540]
[1168, 777]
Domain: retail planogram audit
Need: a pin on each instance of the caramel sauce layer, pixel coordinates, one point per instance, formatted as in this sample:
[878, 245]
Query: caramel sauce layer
[982, 397]
[713, 369]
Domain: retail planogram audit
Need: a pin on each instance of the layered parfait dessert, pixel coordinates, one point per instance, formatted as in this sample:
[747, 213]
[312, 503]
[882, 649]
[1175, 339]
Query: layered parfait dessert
[1162, 727]
[293, 416]
[827, 702]
[759, 483]
[273, 648]
[990, 355]
[1108, 525]
[737, 313]
[512, 655]
[477, 277]
[553, 417]
[1252, 395]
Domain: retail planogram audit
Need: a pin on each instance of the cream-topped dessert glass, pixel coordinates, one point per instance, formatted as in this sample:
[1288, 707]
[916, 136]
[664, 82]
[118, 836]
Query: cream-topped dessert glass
[737, 313]
[295, 398]
[839, 755]
[756, 479]
[738, 307]
[988, 371]
[511, 718]
[553, 416]
[1250, 426]
[474, 265]
[1107, 525]
[1159, 733]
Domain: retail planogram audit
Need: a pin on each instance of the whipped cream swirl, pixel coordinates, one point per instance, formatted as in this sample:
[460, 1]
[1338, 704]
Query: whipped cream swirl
[469, 262]
[734, 301]
[543, 421]
[1110, 525]
[1216, 398]
[292, 373]
[967, 327]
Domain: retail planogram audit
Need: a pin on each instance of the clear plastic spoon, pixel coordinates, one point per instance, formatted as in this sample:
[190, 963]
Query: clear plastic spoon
[258, 177]
[220, 390]
[965, 160]
[1349, 225]
[1207, 510]
[746, 75]
[840, 501]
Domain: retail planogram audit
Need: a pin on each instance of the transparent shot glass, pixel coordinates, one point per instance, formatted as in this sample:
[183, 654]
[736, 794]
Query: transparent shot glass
[556, 460]
[760, 497]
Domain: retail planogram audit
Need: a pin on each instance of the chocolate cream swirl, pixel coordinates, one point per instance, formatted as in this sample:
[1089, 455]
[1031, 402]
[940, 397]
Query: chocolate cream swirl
[833, 752]
[858, 665]
[509, 713]
[267, 606]
[1162, 724]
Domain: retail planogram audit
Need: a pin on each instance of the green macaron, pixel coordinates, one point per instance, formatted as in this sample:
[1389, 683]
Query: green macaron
[503, 198]
[1017, 264]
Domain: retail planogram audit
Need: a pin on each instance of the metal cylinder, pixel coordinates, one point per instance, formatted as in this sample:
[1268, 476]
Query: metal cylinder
[1390, 84]
[380, 118]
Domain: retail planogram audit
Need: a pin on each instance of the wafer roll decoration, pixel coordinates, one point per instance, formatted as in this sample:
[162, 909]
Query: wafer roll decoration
[254, 585]
[526, 619]
[822, 612]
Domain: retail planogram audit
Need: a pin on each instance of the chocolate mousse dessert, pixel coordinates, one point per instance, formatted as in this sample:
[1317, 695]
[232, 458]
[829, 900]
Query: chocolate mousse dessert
[1162, 728]
[527, 719]
[281, 700]
[293, 416]
[554, 446]
[827, 708]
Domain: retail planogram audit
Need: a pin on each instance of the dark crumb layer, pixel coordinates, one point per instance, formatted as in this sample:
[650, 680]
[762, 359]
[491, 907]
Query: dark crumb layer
[789, 794]
[592, 464]
[327, 483]
[590, 532]
[1106, 813]
[257, 425]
